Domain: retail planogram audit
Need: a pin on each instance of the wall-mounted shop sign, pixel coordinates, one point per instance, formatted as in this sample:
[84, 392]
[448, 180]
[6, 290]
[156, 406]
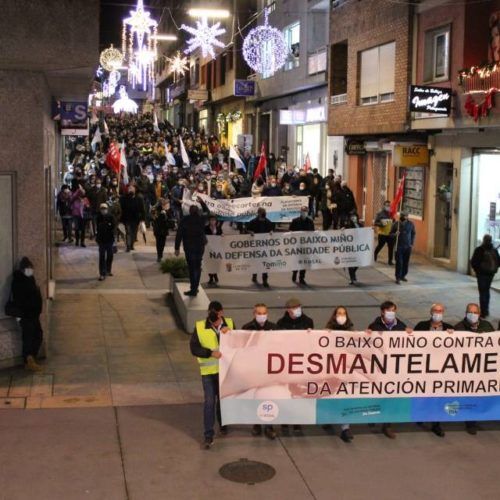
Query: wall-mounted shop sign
[198, 95]
[302, 116]
[411, 155]
[425, 99]
[244, 88]
[73, 117]
[355, 147]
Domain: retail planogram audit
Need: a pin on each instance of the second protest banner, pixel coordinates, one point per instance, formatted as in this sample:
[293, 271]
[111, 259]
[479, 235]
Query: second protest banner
[286, 252]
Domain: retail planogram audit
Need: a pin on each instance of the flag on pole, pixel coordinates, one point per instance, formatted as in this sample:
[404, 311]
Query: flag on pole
[96, 138]
[307, 163]
[113, 158]
[184, 155]
[156, 128]
[123, 164]
[399, 197]
[169, 155]
[106, 129]
[262, 165]
[237, 159]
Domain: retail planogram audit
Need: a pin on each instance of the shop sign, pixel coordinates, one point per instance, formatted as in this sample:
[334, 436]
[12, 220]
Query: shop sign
[434, 100]
[302, 116]
[244, 88]
[198, 95]
[73, 117]
[411, 155]
[354, 147]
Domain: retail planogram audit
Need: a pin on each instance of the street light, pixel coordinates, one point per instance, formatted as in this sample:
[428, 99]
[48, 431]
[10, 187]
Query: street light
[209, 13]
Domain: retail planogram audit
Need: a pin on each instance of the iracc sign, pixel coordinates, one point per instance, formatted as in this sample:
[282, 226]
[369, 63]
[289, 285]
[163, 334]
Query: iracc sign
[411, 155]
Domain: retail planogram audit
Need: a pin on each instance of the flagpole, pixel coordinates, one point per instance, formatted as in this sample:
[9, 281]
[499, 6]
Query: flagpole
[400, 207]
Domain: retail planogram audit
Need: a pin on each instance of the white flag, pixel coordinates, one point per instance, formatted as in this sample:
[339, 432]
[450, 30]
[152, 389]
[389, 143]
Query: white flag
[237, 159]
[97, 137]
[184, 155]
[106, 129]
[155, 123]
[123, 164]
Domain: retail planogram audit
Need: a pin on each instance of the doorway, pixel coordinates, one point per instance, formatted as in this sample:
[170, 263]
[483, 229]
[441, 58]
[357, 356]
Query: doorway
[443, 212]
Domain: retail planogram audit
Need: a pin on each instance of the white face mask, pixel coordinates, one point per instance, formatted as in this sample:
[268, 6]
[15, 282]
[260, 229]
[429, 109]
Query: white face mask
[437, 317]
[389, 316]
[297, 312]
[28, 272]
[261, 318]
[472, 318]
[341, 319]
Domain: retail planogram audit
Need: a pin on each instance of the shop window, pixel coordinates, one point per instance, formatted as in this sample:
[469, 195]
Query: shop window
[292, 38]
[338, 63]
[437, 54]
[413, 196]
[377, 74]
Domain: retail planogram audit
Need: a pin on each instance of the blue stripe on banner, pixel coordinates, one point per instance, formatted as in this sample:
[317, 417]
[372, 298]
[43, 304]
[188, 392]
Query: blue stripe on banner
[263, 411]
[272, 216]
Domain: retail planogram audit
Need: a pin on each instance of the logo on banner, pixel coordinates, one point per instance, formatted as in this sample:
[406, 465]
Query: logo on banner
[268, 411]
[452, 408]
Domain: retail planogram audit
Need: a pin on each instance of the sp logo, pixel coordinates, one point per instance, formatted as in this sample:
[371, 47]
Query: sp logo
[268, 411]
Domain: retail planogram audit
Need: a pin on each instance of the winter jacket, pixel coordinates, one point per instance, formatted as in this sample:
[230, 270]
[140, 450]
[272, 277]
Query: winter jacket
[407, 233]
[300, 224]
[288, 323]
[132, 209]
[105, 229]
[425, 326]
[253, 325]
[77, 204]
[191, 233]
[483, 326]
[26, 295]
[481, 262]
[379, 326]
[96, 197]
[260, 226]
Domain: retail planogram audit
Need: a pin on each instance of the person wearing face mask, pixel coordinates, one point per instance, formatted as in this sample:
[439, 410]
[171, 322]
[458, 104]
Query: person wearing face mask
[387, 322]
[97, 194]
[473, 323]
[352, 223]
[105, 238]
[404, 231]
[346, 204]
[28, 300]
[271, 188]
[133, 213]
[302, 223]
[294, 319]
[260, 225]
[340, 321]
[162, 222]
[64, 210]
[383, 223]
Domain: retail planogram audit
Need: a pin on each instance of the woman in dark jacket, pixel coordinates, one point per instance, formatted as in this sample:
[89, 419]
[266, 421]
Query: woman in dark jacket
[352, 223]
[28, 299]
[162, 222]
[213, 228]
[340, 321]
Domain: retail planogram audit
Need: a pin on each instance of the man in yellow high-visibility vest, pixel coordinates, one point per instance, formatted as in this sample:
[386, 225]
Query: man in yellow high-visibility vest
[204, 345]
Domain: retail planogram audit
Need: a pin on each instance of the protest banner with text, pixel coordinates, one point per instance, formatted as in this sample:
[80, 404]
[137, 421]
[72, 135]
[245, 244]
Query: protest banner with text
[319, 377]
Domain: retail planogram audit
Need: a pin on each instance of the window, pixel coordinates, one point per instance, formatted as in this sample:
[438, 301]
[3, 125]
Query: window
[338, 73]
[377, 74]
[292, 38]
[437, 54]
[317, 63]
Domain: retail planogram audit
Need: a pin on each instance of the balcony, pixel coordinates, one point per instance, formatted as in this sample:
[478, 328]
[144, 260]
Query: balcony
[335, 100]
[480, 79]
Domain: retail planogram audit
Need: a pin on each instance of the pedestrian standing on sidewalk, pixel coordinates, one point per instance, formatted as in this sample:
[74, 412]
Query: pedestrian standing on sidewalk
[64, 210]
[28, 300]
[404, 232]
[77, 211]
[302, 223]
[204, 345]
[161, 224]
[133, 212]
[485, 262]
[352, 223]
[261, 323]
[383, 223]
[105, 238]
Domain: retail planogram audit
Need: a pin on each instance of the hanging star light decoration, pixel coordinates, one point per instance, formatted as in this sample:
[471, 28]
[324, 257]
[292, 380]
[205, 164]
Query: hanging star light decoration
[204, 37]
[264, 48]
[178, 64]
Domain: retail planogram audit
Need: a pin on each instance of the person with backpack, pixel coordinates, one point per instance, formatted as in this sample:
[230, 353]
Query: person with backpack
[485, 261]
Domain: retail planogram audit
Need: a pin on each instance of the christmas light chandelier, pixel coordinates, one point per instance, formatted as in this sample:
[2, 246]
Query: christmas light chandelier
[139, 44]
[204, 37]
[111, 59]
[264, 48]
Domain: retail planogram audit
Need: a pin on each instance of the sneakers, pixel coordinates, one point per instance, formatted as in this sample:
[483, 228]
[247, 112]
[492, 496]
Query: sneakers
[102, 278]
[265, 284]
[207, 443]
[438, 430]
[346, 436]
[471, 428]
[32, 365]
[398, 282]
[191, 293]
[388, 432]
[302, 281]
[404, 279]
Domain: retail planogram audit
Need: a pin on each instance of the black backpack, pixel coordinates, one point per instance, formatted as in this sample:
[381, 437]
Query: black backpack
[489, 261]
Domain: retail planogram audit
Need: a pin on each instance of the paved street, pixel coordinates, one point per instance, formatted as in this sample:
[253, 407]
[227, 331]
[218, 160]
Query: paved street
[116, 413]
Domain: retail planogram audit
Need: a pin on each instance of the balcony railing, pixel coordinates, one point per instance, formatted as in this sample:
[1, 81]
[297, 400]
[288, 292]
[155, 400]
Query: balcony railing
[480, 79]
[338, 99]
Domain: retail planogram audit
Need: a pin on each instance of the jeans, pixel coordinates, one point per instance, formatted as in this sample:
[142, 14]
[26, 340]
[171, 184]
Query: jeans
[194, 269]
[79, 223]
[211, 403]
[327, 219]
[32, 336]
[483, 285]
[105, 258]
[382, 240]
[402, 262]
[131, 234]
[160, 245]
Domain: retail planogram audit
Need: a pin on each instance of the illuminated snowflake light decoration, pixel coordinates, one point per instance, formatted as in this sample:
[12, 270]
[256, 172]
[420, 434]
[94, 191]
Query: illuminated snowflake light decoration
[124, 103]
[204, 37]
[111, 59]
[178, 64]
[265, 49]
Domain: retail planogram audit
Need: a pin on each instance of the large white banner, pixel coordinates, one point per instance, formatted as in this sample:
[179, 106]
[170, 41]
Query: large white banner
[316, 377]
[286, 252]
[278, 208]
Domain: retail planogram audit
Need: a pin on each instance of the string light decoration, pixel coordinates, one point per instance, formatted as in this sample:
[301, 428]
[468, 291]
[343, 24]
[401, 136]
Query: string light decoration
[264, 48]
[139, 45]
[111, 58]
[178, 64]
[124, 103]
[204, 37]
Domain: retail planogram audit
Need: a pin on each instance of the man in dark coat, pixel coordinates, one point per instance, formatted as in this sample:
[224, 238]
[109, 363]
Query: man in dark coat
[404, 232]
[302, 223]
[28, 299]
[105, 238]
[346, 204]
[133, 213]
[260, 225]
[191, 233]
